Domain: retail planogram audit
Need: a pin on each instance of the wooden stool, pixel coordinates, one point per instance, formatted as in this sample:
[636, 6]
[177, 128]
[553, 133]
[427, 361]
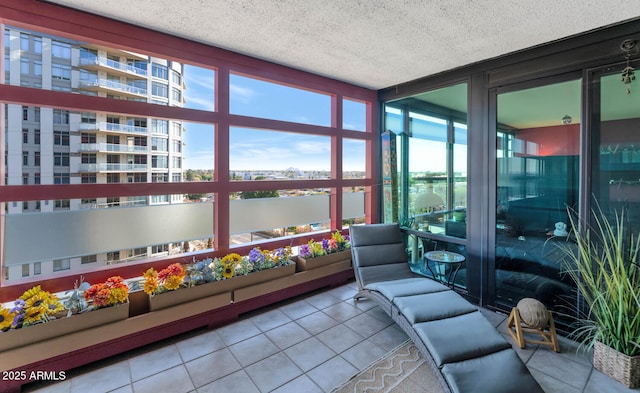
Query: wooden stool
[548, 335]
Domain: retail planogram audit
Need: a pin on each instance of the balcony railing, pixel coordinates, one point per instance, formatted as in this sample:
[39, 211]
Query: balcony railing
[112, 85]
[112, 148]
[108, 167]
[113, 127]
[112, 64]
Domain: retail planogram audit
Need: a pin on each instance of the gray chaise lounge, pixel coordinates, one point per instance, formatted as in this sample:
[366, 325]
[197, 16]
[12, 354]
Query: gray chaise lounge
[467, 352]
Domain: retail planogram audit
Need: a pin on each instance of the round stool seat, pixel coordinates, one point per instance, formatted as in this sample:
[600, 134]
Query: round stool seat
[533, 313]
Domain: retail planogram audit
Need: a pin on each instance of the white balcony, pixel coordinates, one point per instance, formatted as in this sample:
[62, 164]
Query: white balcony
[113, 127]
[101, 84]
[108, 167]
[113, 148]
[101, 62]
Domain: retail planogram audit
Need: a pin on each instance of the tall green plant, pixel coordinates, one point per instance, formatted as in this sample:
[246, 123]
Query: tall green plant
[605, 269]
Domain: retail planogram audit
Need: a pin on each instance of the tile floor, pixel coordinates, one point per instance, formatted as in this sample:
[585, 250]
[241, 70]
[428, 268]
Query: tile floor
[308, 344]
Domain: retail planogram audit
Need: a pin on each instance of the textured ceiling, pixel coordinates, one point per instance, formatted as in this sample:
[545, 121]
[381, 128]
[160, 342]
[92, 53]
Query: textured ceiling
[370, 43]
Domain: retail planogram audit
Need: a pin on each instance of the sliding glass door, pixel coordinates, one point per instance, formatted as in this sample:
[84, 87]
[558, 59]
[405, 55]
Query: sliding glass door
[537, 169]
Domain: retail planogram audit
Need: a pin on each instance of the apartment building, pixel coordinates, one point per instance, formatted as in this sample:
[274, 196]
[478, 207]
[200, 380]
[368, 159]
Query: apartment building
[56, 146]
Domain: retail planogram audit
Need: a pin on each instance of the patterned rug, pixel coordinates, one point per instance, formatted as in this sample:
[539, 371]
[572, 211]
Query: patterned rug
[402, 370]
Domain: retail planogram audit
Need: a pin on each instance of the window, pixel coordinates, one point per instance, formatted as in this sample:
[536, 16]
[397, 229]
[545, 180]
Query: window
[88, 158]
[60, 117]
[36, 137]
[25, 136]
[88, 178]
[159, 144]
[24, 42]
[113, 178]
[160, 126]
[37, 268]
[159, 71]
[159, 162]
[60, 178]
[61, 72]
[61, 264]
[88, 259]
[25, 270]
[159, 89]
[88, 138]
[60, 159]
[159, 177]
[36, 158]
[25, 158]
[61, 50]
[176, 78]
[61, 138]
[176, 94]
[62, 204]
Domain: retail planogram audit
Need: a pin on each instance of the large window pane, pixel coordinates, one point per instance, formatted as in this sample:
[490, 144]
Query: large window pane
[353, 159]
[537, 178]
[274, 155]
[104, 231]
[354, 115]
[616, 172]
[257, 98]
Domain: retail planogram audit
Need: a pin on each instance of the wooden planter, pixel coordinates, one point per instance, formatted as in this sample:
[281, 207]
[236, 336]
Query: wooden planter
[15, 338]
[323, 260]
[184, 295]
[623, 368]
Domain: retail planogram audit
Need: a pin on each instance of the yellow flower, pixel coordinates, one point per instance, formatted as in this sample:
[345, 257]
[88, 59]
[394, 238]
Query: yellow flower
[231, 260]
[53, 305]
[150, 281]
[36, 308]
[118, 295]
[228, 271]
[31, 292]
[6, 318]
[172, 282]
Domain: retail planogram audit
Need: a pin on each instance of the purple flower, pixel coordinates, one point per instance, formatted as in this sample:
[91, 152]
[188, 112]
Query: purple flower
[325, 244]
[256, 257]
[305, 251]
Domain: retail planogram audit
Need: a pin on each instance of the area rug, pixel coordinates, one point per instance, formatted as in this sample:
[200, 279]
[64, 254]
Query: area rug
[403, 370]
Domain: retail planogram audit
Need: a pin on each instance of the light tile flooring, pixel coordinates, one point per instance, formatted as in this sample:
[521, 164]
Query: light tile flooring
[309, 344]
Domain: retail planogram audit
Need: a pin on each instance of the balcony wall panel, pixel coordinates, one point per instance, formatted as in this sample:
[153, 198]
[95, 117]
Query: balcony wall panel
[45, 236]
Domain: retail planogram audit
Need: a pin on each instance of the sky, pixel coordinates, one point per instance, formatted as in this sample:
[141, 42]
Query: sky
[252, 149]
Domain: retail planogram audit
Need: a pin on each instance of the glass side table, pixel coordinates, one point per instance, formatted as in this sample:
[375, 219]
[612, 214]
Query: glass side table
[447, 265]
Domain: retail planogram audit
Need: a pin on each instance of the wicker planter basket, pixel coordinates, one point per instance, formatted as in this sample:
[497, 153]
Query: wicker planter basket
[624, 369]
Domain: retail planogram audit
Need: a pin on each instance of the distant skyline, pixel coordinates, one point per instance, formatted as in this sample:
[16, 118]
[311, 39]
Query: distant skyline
[253, 149]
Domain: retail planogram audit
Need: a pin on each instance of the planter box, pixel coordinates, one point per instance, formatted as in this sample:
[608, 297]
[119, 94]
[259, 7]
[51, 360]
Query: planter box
[250, 292]
[624, 369]
[323, 260]
[15, 338]
[184, 295]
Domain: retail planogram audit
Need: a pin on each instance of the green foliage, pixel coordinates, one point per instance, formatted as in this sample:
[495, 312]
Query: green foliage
[259, 194]
[605, 269]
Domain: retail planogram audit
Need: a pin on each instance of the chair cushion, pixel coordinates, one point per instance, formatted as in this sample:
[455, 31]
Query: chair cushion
[498, 372]
[366, 235]
[460, 338]
[406, 287]
[433, 306]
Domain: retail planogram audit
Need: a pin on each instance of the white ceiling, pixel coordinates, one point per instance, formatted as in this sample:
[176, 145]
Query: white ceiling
[370, 43]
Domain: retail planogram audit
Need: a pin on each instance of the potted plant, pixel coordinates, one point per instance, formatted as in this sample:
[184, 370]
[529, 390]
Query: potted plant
[316, 254]
[39, 315]
[604, 267]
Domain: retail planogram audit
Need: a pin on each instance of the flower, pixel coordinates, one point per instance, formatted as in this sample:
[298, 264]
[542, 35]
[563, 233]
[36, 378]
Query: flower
[35, 306]
[167, 279]
[199, 272]
[113, 291]
[338, 242]
[6, 318]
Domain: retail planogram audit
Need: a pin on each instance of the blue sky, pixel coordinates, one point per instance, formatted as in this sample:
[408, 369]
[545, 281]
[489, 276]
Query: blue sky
[267, 149]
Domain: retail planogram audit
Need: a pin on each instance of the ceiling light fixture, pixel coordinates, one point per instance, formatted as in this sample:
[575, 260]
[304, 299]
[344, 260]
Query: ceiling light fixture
[566, 120]
[628, 72]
